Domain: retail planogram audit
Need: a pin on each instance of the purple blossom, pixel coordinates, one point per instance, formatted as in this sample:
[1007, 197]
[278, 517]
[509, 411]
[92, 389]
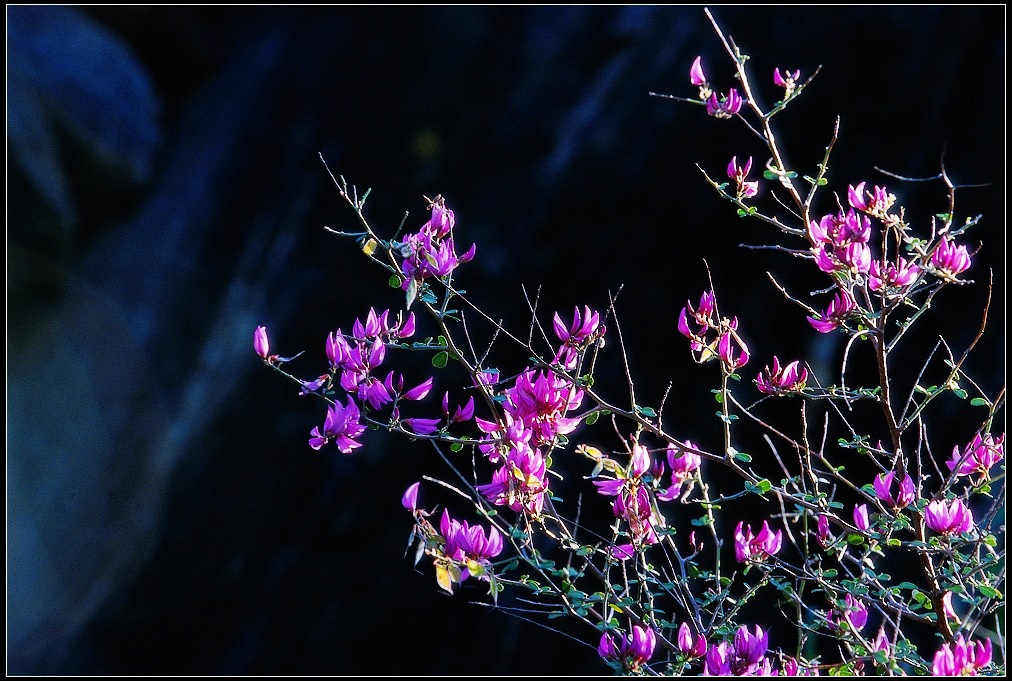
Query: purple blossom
[895, 277]
[693, 646]
[951, 518]
[840, 307]
[421, 426]
[905, 490]
[340, 425]
[950, 259]
[469, 545]
[852, 611]
[861, 517]
[632, 651]
[745, 657]
[788, 81]
[724, 107]
[876, 203]
[261, 344]
[696, 76]
[739, 174]
[822, 527]
[520, 483]
[701, 316]
[781, 380]
[734, 354]
[751, 548]
[961, 658]
[410, 499]
[683, 469]
[585, 329]
[419, 391]
[978, 456]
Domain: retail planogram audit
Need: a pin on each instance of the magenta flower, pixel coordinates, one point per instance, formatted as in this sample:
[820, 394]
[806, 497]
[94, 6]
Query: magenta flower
[961, 658]
[683, 469]
[693, 646]
[754, 548]
[905, 493]
[852, 611]
[701, 316]
[951, 518]
[441, 222]
[470, 545]
[421, 426]
[950, 259]
[839, 309]
[876, 203]
[724, 107]
[633, 650]
[978, 456]
[520, 483]
[788, 81]
[861, 517]
[732, 354]
[261, 344]
[895, 277]
[585, 329]
[419, 391]
[696, 76]
[745, 657]
[823, 530]
[781, 380]
[947, 608]
[410, 499]
[739, 175]
[340, 425]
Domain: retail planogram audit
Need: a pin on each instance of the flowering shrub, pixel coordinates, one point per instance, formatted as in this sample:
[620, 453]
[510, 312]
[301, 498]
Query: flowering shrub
[665, 584]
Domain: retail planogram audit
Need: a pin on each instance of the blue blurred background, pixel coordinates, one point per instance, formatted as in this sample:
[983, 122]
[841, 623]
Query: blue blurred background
[166, 195]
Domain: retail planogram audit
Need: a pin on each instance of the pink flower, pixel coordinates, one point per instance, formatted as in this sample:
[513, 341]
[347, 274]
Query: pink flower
[788, 81]
[750, 548]
[410, 499]
[261, 344]
[633, 650]
[861, 517]
[950, 259]
[951, 518]
[961, 658]
[724, 107]
[905, 492]
[739, 174]
[340, 425]
[978, 456]
[895, 277]
[781, 380]
[693, 646]
[732, 354]
[840, 307]
[696, 76]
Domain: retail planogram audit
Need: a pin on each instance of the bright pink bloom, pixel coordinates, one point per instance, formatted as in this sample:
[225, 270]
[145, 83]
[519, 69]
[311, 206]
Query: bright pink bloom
[520, 483]
[861, 517]
[724, 107]
[780, 380]
[696, 76]
[950, 259]
[585, 329]
[978, 456]
[839, 309]
[951, 518]
[701, 316]
[410, 498]
[340, 425]
[876, 203]
[905, 493]
[823, 530]
[683, 469]
[852, 611]
[421, 426]
[693, 646]
[896, 276]
[739, 174]
[633, 650]
[788, 81]
[733, 353]
[962, 658]
[751, 548]
[261, 344]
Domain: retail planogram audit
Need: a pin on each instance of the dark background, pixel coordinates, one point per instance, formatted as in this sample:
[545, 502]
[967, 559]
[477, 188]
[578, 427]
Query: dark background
[165, 196]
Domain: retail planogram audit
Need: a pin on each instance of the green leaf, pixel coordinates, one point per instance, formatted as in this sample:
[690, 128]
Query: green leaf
[456, 447]
[742, 456]
[646, 411]
[989, 592]
[394, 281]
[960, 393]
[770, 175]
[979, 402]
[592, 418]
[440, 359]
